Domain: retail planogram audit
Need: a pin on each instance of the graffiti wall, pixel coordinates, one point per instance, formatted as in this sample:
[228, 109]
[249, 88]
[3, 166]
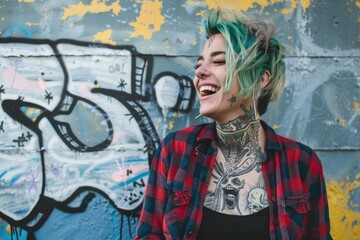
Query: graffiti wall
[88, 88]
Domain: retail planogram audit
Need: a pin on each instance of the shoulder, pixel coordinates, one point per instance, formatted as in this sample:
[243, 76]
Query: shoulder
[302, 155]
[293, 145]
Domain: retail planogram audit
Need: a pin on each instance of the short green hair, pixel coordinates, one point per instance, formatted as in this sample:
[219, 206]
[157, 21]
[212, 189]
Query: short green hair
[251, 49]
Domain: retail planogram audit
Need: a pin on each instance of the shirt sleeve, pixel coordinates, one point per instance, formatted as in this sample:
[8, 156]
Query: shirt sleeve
[318, 222]
[150, 224]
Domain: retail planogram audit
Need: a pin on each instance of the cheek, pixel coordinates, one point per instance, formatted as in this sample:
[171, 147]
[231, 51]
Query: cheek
[221, 75]
[195, 82]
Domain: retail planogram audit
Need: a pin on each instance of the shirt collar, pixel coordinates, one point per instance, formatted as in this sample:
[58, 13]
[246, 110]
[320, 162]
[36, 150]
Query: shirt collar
[273, 143]
[207, 133]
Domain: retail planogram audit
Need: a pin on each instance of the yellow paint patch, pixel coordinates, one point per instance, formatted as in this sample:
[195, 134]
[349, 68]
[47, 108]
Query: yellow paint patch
[104, 37]
[96, 6]
[345, 222]
[294, 3]
[248, 4]
[5, 225]
[149, 20]
[171, 125]
[26, 1]
[356, 105]
[175, 115]
[342, 122]
[241, 5]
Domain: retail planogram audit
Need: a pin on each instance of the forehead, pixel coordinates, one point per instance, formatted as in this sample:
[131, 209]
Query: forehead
[214, 43]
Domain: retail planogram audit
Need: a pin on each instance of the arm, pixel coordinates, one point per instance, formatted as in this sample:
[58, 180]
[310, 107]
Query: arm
[150, 224]
[318, 222]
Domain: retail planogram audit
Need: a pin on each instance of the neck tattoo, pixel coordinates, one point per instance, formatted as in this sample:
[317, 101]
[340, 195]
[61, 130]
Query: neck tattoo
[238, 184]
[239, 138]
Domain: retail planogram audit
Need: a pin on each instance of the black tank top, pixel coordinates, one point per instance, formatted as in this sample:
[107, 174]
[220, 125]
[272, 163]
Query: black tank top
[218, 226]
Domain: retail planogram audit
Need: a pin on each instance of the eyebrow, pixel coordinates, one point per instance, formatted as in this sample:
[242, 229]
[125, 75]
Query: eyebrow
[213, 54]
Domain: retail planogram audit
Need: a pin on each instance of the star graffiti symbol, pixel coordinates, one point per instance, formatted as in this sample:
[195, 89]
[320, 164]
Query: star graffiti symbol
[122, 84]
[48, 96]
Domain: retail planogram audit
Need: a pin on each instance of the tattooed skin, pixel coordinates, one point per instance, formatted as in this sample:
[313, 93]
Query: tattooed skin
[237, 185]
[211, 39]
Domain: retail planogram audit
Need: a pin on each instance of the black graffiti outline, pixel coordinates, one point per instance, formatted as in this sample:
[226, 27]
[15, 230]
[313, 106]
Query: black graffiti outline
[186, 93]
[140, 91]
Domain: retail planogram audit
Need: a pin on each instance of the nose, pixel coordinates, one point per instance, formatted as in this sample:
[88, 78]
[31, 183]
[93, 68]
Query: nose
[201, 73]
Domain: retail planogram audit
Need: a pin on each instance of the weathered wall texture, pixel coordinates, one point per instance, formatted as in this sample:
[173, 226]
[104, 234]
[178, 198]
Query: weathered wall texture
[89, 87]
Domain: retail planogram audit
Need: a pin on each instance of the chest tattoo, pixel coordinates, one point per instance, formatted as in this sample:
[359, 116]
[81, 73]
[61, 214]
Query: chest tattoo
[237, 185]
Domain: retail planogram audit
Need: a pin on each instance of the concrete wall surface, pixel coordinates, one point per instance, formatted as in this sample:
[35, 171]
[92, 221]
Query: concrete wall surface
[88, 88]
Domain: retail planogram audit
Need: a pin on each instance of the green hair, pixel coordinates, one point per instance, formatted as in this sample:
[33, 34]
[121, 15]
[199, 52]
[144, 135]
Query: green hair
[251, 49]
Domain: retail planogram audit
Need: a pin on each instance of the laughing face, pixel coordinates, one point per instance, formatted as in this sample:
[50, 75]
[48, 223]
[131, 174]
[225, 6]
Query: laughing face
[210, 75]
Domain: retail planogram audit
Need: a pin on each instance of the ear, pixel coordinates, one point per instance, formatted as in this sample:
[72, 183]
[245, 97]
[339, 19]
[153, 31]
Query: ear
[265, 79]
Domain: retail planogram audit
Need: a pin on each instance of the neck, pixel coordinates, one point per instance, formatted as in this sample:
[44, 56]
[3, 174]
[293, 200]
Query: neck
[240, 134]
[240, 125]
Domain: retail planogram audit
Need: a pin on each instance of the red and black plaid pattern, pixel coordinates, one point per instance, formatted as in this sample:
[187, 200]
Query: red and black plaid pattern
[180, 173]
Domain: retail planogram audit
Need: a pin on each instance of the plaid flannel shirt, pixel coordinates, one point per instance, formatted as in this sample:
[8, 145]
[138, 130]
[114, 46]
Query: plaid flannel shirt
[180, 173]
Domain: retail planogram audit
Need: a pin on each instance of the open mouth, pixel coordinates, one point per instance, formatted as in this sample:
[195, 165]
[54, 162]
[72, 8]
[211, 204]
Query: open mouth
[207, 90]
[230, 195]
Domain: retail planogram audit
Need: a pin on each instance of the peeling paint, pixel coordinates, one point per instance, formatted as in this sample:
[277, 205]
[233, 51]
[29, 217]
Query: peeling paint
[105, 37]
[27, 1]
[246, 5]
[345, 222]
[241, 5]
[149, 20]
[95, 6]
[304, 4]
[356, 105]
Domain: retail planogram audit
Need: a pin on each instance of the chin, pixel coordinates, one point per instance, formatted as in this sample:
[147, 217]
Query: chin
[208, 113]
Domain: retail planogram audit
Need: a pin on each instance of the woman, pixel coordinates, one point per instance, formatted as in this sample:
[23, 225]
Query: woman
[235, 178]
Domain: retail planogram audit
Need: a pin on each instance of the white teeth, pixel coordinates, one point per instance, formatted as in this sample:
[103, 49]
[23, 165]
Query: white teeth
[207, 88]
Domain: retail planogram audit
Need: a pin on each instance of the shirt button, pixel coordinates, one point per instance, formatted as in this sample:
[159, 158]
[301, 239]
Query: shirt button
[176, 199]
[190, 232]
